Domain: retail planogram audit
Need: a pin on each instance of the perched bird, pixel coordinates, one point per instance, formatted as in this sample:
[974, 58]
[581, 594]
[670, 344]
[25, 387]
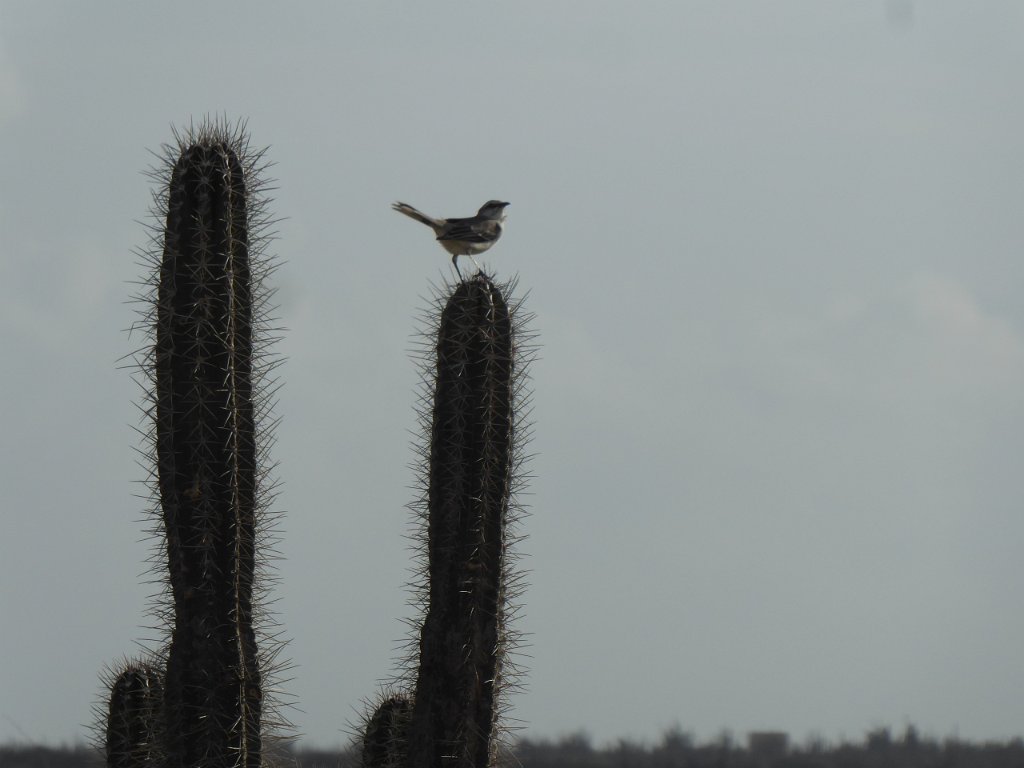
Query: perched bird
[463, 237]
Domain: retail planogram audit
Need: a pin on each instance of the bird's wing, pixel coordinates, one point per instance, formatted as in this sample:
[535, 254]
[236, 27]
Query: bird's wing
[471, 231]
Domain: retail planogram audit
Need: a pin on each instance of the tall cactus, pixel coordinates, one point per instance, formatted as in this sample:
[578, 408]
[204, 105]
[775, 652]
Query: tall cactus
[475, 434]
[206, 461]
[207, 326]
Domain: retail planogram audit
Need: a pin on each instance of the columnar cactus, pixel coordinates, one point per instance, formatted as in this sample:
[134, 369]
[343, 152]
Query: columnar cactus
[206, 461]
[210, 488]
[474, 428]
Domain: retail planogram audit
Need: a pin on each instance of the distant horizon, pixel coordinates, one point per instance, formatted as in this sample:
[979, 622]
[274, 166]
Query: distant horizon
[737, 740]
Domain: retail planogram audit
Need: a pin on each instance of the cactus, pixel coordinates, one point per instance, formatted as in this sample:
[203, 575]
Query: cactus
[131, 723]
[206, 461]
[384, 738]
[475, 437]
[205, 310]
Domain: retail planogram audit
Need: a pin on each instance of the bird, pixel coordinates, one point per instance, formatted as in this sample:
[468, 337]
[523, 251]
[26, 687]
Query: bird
[463, 237]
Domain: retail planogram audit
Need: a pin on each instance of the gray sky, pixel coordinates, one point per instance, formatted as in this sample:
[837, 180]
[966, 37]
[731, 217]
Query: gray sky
[774, 251]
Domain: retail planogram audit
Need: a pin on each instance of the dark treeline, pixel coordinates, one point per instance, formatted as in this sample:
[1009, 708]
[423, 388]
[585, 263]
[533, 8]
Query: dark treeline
[879, 749]
[676, 749]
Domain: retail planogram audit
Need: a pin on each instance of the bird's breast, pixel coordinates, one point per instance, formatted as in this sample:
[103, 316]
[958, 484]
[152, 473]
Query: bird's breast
[463, 248]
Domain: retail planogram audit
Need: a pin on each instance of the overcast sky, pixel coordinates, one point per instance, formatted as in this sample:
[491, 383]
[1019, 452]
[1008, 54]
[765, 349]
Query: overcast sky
[774, 252]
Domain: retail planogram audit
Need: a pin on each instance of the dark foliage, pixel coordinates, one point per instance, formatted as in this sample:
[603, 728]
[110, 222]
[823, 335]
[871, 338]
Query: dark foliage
[675, 750]
[678, 750]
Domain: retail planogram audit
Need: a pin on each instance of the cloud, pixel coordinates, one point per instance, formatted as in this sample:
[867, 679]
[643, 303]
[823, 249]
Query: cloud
[927, 340]
[963, 338]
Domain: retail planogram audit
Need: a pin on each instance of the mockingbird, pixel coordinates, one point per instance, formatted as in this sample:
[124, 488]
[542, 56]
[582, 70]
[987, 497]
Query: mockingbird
[463, 237]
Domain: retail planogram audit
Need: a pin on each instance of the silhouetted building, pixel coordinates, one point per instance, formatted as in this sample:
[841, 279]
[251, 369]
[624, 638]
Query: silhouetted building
[766, 747]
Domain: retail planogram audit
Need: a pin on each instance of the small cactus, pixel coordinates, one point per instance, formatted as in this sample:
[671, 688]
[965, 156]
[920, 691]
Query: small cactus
[136, 696]
[384, 738]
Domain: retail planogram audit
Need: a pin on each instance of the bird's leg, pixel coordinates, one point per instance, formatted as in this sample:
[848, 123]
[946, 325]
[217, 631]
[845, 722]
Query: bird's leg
[455, 263]
[474, 262]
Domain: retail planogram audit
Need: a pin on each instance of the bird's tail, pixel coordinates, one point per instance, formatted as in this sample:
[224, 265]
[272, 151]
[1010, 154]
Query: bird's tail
[412, 213]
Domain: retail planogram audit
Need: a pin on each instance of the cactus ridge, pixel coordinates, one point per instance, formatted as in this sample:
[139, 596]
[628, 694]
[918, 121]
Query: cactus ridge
[473, 414]
[208, 374]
